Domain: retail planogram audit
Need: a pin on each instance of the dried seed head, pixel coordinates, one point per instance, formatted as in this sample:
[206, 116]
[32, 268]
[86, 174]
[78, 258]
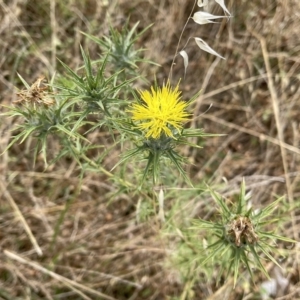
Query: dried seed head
[36, 94]
[241, 231]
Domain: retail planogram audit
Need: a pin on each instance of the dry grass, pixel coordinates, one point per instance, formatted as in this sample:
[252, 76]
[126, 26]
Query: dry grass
[100, 251]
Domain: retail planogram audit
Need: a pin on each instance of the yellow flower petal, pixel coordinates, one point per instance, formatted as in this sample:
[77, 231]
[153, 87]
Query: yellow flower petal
[161, 112]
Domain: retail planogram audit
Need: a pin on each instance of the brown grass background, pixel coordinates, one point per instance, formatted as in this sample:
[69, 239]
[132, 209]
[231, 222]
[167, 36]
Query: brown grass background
[100, 251]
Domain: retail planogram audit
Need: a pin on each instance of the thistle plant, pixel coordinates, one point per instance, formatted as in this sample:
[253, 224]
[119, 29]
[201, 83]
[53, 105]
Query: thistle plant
[237, 238]
[44, 115]
[94, 92]
[63, 114]
[154, 125]
[157, 127]
[119, 47]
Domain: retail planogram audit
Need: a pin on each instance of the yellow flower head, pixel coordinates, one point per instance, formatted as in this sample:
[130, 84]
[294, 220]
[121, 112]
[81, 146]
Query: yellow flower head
[162, 111]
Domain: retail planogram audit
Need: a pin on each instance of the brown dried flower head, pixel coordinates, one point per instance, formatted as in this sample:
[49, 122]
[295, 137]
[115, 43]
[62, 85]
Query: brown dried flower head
[36, 94]
[241, 231]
